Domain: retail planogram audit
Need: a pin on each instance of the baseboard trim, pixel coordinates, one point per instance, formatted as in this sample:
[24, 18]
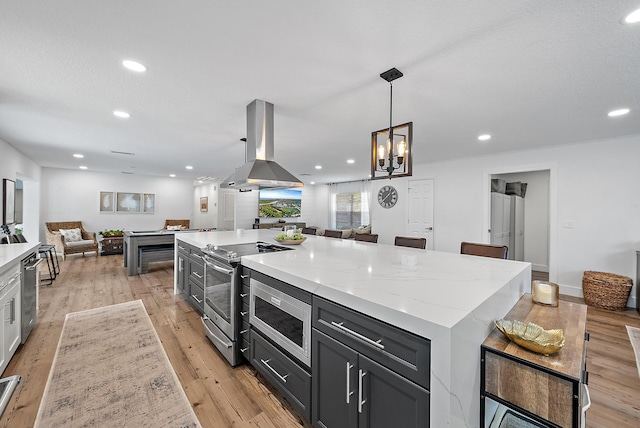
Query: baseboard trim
[540, 268]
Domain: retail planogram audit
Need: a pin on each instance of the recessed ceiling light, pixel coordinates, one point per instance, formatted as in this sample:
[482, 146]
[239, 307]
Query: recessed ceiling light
[350, 161]
[318, 166]
[633, 17]
[172, 175]
[134, 66]
[619, 112]
[199, 181]
[82, 167]
[78, 155]
[484, 137]
[312, 182]
[120, 113]
[189, 167]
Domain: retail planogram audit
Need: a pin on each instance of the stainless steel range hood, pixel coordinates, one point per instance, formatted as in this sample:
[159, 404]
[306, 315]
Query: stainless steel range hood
[260, 171]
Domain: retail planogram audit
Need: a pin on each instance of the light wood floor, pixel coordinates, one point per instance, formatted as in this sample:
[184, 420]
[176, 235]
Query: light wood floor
[223, 396]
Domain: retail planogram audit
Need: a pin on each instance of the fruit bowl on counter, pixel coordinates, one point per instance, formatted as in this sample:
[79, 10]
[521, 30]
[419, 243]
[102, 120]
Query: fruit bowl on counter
[291, 239]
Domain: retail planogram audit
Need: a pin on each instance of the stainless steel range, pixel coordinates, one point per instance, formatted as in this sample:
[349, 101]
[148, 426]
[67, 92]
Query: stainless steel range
[222, 285]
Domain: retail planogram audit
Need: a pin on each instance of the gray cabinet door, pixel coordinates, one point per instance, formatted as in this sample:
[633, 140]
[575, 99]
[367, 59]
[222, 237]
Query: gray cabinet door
[389, 400]
[334, 365]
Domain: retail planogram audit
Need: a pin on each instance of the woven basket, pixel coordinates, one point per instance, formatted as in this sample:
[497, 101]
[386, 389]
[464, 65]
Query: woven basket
[606, 290]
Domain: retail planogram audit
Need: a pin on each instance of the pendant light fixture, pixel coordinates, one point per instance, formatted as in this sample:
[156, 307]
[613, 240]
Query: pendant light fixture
[391, 148]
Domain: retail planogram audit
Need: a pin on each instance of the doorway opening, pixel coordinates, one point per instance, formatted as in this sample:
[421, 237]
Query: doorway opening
[537, 232]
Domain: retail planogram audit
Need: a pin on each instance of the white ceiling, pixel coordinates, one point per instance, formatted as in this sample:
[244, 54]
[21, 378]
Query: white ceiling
[530, 73]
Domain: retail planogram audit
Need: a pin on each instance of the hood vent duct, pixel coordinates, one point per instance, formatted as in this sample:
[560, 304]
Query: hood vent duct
[260, 171]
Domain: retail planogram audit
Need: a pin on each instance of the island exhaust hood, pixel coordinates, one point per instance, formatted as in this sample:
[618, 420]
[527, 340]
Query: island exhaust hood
[260, 171]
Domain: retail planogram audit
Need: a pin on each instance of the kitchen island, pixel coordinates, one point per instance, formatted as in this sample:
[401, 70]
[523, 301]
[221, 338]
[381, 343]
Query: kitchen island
[449, 299]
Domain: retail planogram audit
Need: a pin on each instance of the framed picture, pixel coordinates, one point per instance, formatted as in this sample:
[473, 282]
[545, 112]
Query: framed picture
[148, 203]
[8, 201]
[107, 202]
[204, 204]
[128, 202]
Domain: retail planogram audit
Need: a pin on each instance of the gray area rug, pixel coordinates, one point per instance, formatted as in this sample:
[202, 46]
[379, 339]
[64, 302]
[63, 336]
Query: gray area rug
[110, 369]
[634, 337]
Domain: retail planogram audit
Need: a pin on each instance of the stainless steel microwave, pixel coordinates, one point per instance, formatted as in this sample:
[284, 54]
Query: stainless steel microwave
[282, 318]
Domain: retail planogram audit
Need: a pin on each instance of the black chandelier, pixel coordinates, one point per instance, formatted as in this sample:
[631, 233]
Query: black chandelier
[391, 147]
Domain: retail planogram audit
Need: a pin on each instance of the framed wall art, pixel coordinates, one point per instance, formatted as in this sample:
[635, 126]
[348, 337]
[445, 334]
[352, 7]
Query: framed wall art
[148, 203]
[204, 204]
[128, 202]
[8, 201]
[107, 202]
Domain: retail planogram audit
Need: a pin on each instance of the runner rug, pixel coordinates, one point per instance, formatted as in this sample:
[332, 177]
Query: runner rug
[110, 369]
[634, 336]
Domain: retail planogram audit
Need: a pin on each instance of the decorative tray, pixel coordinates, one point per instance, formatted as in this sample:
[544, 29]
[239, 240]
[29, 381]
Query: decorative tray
[290, 241]
[532, 337]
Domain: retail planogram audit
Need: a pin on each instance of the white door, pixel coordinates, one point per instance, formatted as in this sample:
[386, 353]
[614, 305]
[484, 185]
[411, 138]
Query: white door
[420, 218]
[228, 216]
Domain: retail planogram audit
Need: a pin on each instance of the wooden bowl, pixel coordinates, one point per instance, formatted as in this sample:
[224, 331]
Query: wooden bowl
[290, 241]
[532, 337]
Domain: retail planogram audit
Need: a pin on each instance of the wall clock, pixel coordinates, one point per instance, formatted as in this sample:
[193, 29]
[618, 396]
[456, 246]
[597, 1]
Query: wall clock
[387, 196]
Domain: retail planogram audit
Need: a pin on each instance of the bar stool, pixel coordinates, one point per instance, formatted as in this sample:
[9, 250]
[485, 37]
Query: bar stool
[47, 252]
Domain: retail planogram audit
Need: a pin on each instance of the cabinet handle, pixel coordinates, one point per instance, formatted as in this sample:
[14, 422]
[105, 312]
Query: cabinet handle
[244, 331]
[243, 313]
[349, 392]
[181, 247]
[243, 295]
[243, 349]
[198, 256]
[266, 363]
[196, 298]
[361, 402]
[375, 343]
[13, 310]
[196, 275]
[244, 276]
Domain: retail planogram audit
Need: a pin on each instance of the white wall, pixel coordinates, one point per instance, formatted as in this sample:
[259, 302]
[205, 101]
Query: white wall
[14, 165]
[594, 223]
[536, 216]
[209, 219]
[69, 195]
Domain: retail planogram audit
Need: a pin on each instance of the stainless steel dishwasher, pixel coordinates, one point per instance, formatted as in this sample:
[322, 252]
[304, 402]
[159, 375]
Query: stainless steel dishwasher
[28, 292]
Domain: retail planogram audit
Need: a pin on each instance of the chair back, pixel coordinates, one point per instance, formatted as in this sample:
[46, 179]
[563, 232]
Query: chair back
[484, 250]
[56, 226]
[309, 230]
[333, 233]
[367, 237]
[408, 241]
[184, 223]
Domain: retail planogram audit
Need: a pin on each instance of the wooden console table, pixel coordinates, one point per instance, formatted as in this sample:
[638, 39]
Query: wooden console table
[546, 389]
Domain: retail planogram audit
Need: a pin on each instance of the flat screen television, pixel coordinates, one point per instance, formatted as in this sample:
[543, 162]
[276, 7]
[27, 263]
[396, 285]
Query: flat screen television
[279, 203]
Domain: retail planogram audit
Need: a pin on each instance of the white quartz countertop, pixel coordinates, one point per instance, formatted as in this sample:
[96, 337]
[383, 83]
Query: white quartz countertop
[441, 288]
[11, 253]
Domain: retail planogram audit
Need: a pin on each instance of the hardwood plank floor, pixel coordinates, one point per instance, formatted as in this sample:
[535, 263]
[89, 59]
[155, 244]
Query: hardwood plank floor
[223, 396]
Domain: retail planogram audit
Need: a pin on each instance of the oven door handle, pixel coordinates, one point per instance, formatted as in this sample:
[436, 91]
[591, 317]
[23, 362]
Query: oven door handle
[219, 268]
[223, 342]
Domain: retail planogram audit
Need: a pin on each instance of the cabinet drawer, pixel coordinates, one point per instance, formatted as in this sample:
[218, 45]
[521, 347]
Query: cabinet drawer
[196, 271]
[245, 276]
[244, 331]
[245, 350]
[196, 296]
[399, 350]
[284, 374]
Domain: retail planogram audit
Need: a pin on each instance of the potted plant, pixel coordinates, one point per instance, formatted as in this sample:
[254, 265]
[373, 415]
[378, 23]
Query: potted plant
[110, 233]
